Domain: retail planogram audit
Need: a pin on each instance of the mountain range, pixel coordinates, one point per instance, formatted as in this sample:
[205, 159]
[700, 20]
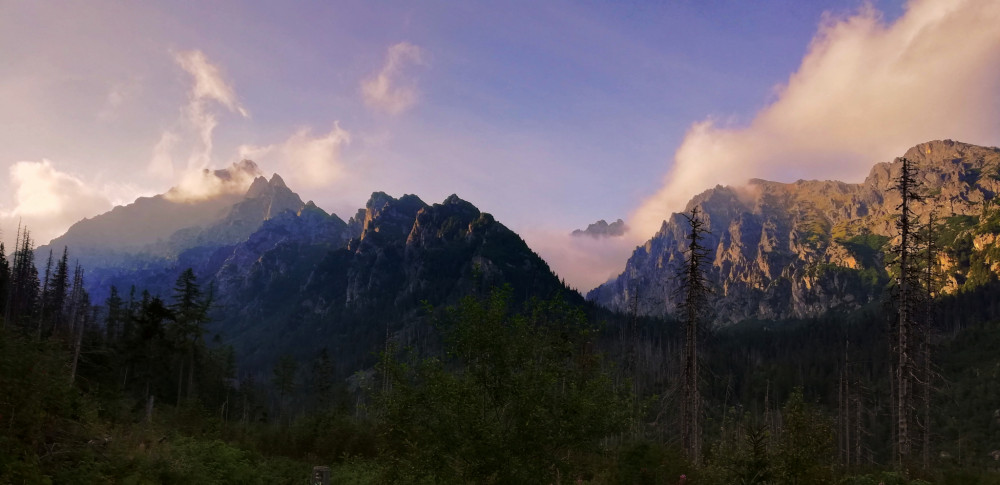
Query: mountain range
[792, 250]
[288, 277]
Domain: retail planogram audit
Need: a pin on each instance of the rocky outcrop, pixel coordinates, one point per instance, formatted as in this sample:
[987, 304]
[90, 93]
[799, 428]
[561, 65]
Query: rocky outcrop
[601, 229]
[783, 250]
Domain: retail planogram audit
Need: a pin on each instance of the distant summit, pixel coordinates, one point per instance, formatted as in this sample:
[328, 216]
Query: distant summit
[602, 229]
[212, 207]
[793, 250]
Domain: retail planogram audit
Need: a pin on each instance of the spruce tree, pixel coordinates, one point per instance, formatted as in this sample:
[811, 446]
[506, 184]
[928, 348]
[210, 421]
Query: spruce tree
[909, 304]
[692, 305]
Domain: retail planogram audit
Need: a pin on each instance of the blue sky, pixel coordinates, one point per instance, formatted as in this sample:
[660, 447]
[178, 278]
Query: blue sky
[550, 115]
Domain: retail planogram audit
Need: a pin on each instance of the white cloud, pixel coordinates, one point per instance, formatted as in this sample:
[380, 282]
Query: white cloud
[310, 161]
[864, 93]
[584, 262]
[390, 90]
[194, 132]
[48, 201]
[206, 184]
[162, 163]
[208, 81]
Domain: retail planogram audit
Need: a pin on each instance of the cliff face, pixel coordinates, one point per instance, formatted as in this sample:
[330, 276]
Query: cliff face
[783, 250]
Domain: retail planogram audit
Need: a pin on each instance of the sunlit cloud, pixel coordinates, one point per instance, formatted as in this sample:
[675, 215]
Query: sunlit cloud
[584, 262]
[209, 84]
[390, 89]
[306, 160]
[864, 93]
[48, 201]
[206, 184]
[209, 93]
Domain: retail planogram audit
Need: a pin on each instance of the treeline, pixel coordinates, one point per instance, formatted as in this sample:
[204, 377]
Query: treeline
[496, 390]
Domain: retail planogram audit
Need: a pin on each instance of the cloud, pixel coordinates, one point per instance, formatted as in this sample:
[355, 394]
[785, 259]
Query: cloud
[389, 90]
[310, 161]
[864, 93]
[208, 82]
[48, 201]
[584, 262]
[194, 132]
[162, 163]
[206, 184]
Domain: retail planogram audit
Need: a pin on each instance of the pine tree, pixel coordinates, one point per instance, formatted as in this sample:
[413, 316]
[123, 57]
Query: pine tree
[58, 293]
[909, 302]
[190, 309]
[693, 302]
[24, 292]
[114, 321]
[4, 280]
[45, 294]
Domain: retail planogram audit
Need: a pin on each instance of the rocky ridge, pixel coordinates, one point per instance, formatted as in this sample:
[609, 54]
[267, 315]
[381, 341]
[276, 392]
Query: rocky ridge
[782, 250]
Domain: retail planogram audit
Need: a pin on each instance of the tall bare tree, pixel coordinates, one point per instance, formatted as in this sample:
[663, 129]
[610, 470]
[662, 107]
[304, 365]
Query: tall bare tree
[693, 295]
[909, 303]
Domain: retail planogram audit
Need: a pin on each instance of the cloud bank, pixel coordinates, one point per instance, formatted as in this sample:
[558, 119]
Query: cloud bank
[390, 89]
[307, 161]
[48, 201]
[864, 93]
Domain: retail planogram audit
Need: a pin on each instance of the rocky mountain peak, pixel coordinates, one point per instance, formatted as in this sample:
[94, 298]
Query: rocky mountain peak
[277, 182]
[798, 249]
[258, 188]
[388, 217]
[601, 229]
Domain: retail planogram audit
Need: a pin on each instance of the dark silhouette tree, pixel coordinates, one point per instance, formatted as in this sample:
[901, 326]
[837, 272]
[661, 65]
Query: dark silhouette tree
[190, 311]
[909, 303]
[693, 295]
[4, 280]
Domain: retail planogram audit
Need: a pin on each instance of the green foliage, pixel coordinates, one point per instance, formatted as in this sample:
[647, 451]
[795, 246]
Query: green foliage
[867, 248]
[805, 448]
[520, 398]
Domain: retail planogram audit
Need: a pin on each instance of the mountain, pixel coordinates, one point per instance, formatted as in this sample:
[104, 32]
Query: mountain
[157, 232]
[306, 293]
[601, 229]
[784, 250]
[287, 277]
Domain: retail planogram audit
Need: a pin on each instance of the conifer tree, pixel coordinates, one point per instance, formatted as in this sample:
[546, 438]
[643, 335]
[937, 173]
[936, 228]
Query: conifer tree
[190, 309]
[58, 292]
[909, 303]
[692, 304]
[4, 280]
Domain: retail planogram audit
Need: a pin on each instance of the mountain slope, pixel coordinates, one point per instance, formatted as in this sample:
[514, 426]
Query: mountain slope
[784, 250]
[305, 295]
[287, 277]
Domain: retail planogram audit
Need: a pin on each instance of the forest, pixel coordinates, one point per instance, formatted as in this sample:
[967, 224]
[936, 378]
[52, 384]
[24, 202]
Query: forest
[501, 389]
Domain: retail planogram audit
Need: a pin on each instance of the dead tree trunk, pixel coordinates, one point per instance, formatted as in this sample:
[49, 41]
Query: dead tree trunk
[693, 302]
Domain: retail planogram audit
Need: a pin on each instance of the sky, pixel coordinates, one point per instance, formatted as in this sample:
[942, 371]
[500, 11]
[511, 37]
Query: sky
[549, 115]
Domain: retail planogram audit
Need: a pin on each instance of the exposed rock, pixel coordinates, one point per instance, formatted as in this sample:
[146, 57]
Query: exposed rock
[601, 229]
[783, 250]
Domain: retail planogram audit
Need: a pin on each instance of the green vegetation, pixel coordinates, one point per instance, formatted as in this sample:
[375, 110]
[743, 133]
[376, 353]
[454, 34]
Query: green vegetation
[499, 387]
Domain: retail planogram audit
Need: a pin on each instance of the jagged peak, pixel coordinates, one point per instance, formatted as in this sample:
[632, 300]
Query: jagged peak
[277, 182]
[311, 207]
[258, 188]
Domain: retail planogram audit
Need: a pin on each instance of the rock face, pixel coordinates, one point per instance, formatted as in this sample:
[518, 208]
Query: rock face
[601, 229]
[783, 250]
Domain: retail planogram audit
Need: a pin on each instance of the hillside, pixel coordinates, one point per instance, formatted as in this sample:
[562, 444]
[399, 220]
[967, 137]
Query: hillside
[793, 250]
